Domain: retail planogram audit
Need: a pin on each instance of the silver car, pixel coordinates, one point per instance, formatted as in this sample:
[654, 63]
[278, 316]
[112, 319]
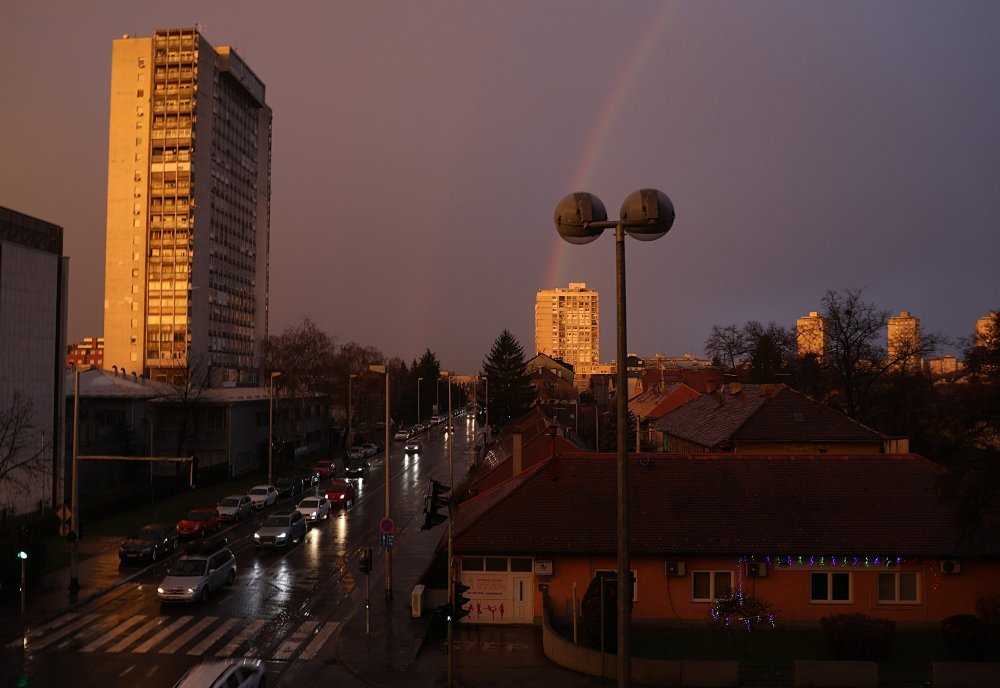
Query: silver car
[280, 530]
[314, 509]
[235, 673]
[193, 577]
[234, 507]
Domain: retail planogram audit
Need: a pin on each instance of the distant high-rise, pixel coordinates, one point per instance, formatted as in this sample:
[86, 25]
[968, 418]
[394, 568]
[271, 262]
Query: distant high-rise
[188, 227]
[811, 334]
[567, 324]
[984, 328]
[903, 338]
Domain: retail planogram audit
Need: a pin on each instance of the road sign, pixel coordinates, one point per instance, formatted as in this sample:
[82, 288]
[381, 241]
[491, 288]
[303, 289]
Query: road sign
[387, 525]
[64, 513]
[63, 529]
[387, 540]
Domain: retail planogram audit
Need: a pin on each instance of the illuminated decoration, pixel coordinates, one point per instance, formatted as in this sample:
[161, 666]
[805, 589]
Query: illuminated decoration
[825, 561]
[736, 608]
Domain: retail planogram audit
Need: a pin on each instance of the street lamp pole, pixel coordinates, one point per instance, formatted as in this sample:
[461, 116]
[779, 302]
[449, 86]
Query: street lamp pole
[350, 437]
[74, 560]
[419, 380]
[580, 218]
[384, 369]
[486, 431]
[451, 532]
[270, 427]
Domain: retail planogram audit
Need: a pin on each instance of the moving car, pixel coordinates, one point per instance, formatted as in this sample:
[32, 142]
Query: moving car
[289, 486]
[324, 468]
[355, 453]
[224, 673]
[233, 508]
[195, 575]
[413, 447]
[341, 494]
[150, 542]
[356, 469]
[314, 508]
[371, 449]
[280, 530]
[401, 434]
[436, 419]
[263, 496]
[198, 523]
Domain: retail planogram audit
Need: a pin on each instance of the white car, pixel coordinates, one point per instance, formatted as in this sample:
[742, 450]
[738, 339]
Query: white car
[314, 509]
[263, 496]
[239, 673]
[401, 435]
[192, 577]
[234, 507]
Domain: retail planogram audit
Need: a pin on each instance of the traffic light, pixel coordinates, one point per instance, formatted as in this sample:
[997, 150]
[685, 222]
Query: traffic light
[459, 600]
[433, 501]
[366, 561]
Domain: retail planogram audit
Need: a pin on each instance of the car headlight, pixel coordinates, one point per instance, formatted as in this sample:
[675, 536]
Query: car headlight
[256, 536]
[313, 514]
[159, 590]
[190, 591]
[282, 536]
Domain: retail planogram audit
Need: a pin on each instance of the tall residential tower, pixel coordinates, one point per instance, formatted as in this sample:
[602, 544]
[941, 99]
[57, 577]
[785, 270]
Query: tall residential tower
[566, 324]
[188, 229]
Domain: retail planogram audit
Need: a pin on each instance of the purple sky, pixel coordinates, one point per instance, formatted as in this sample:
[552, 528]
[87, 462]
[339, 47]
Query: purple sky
[420, 148]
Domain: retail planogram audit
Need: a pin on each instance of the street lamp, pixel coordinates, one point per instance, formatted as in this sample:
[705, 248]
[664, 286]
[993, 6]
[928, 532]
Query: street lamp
[451, 520]
[580, 218]
[384, 369]
[270, 426]
[419, 380]
[350, 380]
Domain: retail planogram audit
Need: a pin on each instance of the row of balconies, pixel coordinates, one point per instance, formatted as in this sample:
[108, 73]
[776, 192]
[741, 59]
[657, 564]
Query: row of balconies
[172, 106]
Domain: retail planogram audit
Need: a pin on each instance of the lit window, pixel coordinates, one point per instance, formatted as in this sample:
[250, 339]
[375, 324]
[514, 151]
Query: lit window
[708, 586]
[827, 586]
[898, 588]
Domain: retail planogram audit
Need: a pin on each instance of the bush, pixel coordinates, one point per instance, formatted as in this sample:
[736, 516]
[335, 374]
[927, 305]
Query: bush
[590, 614]
[858, 637]
[966, 636]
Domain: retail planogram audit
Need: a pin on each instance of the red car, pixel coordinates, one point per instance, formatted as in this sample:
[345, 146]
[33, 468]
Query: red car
[198, 523]
[341, 494]
[324, 468]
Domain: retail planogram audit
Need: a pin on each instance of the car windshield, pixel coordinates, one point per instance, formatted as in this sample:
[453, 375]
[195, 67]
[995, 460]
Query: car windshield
[199, 515]
[276, 522]
[230, 501]
[189, 567]
[259, 491]
[148, 533]
[338, 488]
[309, 503]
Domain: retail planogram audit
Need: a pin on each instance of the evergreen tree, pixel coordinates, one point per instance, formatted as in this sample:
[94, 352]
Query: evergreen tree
[511, 394]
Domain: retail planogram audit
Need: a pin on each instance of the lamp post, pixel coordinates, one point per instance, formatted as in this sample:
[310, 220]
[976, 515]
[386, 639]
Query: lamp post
[74, 561]
[270, 426]
[580, 218]
[451, 532]
[384, 369]
[419, 380]
[350, 380]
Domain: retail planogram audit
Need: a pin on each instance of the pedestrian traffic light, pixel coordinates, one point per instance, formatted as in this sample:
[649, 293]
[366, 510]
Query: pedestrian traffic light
[433, 501]
[366, 561]
[459, 600]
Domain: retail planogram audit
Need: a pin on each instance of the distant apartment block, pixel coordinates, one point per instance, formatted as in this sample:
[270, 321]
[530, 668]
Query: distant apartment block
[811, 334]
[944, 365]
[33, 300]
[567, 324]
[86, 353]
[984, 328]
[188, 218]
[903, 337]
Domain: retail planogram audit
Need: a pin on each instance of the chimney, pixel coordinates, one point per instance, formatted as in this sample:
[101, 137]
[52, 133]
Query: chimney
[517, 451]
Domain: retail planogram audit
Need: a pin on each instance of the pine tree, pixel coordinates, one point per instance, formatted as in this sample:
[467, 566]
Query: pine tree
[511, 394]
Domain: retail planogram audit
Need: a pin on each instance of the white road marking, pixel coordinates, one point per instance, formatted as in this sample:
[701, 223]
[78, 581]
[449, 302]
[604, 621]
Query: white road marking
[66, 630]
[187, 635]
[113, 633]
[324, 634]
[162, 635]
[200, 648]
[135, 635]
[121, 675]
[289, 646]
[241, 638]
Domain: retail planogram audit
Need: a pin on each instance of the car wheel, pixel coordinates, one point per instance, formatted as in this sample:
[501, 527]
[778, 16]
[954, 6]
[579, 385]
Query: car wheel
[231, 578]
[203, 597]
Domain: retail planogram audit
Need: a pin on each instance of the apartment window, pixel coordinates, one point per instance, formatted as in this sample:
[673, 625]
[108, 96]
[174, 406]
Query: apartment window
[708, 586]
[828, 586]
[138, 142]
[898, 588]
[133, 356]
[139, 93]
[132, 340]
[135, 273]
[142, 63]
[137, 176]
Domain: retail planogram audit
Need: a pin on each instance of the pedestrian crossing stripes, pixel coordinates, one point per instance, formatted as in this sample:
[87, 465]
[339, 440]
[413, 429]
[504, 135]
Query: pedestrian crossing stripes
[210, 635]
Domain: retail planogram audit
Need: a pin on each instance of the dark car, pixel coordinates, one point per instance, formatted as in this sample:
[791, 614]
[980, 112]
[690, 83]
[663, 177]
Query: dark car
[151, 542]
[288, 487]
[309, 478]
[357, 468]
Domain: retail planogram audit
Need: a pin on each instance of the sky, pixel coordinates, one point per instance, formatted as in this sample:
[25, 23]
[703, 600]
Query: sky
[420, 148]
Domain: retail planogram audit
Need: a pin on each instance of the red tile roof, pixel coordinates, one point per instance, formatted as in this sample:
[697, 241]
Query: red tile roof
[722, 504]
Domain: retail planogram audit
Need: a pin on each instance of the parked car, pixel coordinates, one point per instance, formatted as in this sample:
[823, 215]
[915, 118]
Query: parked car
[413, 447]
[280, 530]
[401, 434]
[341, 494]
[371, 449]
[314, 509]
[309, 478]
[150, 542]
[263, 496]
[289, 486]
[195, 575]
[198, 523]
[357, 469]
[324, 468]
[234, 507]
[224, 673]
[355, 453]
[436, 419]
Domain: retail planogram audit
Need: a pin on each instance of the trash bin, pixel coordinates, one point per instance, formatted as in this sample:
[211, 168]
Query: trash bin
[417, 601]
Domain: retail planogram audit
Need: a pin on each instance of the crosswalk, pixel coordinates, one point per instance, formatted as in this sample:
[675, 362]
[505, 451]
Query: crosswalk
[200, 637]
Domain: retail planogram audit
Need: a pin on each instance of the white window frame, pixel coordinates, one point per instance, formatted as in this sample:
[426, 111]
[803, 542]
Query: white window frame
[713, 593]
[635, 585]
[896, 577]
[829, 587]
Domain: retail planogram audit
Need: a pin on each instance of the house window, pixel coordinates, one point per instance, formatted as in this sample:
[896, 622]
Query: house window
[496, 563]
[472, 563]
[827, 586]
[897, 588]
[708, 586]
[635, 585]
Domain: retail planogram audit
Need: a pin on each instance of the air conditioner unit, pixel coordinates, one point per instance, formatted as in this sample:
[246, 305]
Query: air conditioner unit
[673, 568]
[951, 566]
[756, 569]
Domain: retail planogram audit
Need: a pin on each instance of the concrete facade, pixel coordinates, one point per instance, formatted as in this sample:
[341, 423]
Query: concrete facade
[567, 324]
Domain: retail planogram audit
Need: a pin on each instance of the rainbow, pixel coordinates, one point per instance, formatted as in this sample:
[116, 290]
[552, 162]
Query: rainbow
[557, 275]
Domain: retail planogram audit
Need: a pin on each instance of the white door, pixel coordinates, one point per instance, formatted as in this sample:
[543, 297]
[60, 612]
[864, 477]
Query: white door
[522, 610]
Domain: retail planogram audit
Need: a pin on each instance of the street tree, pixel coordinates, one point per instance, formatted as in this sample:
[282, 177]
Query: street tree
[191, 377]
[726, 346]
[510, 391]
[770, 349]
[303, 354]
[21, 457]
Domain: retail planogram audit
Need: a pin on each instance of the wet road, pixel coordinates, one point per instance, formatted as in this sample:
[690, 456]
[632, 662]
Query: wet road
[286, 607]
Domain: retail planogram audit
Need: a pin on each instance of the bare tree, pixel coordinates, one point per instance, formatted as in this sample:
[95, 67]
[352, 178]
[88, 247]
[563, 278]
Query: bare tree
[727, 345]
[190, 380]
[770, 349]
[21, 460]
[303, 354]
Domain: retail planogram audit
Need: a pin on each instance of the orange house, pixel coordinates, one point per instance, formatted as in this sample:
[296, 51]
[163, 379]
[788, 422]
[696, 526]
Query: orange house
[812, 535]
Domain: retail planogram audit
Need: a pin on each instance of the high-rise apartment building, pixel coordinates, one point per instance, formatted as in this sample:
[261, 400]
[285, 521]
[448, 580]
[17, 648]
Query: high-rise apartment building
[984, 328]
[567, 324]
[903, 337]
[188, 228]
[811, 334]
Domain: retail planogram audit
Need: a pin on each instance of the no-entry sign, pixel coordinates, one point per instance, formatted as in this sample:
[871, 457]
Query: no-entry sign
[387, 525]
